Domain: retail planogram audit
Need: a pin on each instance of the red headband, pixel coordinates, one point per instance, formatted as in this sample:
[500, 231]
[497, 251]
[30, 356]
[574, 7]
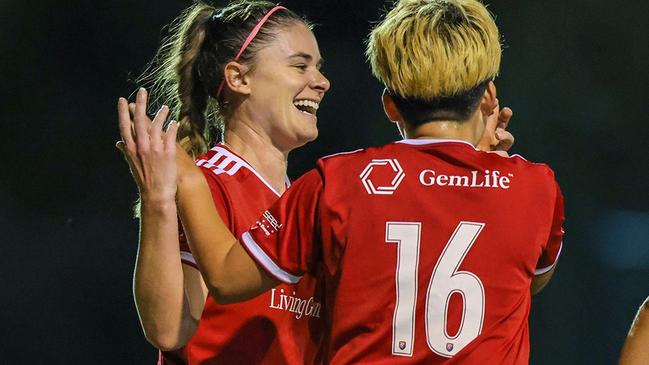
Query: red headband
[245, 45]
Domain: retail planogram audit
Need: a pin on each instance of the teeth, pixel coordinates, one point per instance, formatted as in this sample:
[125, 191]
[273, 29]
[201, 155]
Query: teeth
[307, 103]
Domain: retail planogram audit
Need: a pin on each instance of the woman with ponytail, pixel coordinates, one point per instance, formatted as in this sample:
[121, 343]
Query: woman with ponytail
[249, 75]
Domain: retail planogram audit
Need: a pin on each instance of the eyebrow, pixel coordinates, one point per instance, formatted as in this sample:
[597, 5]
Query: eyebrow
[307, 57]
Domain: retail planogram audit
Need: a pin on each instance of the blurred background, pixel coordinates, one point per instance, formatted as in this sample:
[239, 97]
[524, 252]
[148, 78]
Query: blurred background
[574, 72]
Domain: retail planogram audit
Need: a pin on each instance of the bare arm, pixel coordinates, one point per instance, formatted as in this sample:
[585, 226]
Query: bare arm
[229, 273]
[636, 346]
[540, 281]
[166, 293]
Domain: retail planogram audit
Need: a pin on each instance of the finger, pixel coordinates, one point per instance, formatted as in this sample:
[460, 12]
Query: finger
[500, 153]
[124, 121]
[131, 109]
[492, 120]
[170, 136]
[155, 130]
[504, 117]
[505, 138]
[140, 119]
[135, 171]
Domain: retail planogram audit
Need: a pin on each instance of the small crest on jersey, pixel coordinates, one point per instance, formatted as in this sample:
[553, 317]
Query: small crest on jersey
[449, 347]
[268, 224]
[402, 345]
[379, 166]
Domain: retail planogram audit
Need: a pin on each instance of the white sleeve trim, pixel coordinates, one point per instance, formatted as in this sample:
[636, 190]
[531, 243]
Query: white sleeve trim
[543, 270]
[266, 261]
[187, 257]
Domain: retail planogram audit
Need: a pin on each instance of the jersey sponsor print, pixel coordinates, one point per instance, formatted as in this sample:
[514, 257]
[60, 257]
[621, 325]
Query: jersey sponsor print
[428, 247]
[278, 327]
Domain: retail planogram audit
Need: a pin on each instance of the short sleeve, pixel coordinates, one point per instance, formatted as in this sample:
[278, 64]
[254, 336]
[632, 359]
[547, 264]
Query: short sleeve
[219, 197]
[552, 250]
[282, 240]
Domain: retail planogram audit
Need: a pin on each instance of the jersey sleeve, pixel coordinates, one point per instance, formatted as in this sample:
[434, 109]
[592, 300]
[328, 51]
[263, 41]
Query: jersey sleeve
[551, 252]
[283, 240]
[219, 198]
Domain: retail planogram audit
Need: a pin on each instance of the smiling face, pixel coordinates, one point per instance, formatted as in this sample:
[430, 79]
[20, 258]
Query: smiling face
[286, 88]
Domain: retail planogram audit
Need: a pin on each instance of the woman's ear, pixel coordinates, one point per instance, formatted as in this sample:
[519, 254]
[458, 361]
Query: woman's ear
[236, 79]
[390, 108]
[489, 100]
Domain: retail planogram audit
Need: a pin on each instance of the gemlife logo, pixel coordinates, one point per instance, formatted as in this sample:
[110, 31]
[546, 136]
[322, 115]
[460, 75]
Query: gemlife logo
[381, 166]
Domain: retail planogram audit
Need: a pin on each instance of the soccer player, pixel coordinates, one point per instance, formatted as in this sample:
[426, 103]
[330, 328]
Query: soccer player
[636, 346]
[255, 68]
[430, 249]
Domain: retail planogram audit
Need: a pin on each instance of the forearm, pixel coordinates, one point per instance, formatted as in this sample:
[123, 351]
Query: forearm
[229, 273]
[636, 347]
[158, 277]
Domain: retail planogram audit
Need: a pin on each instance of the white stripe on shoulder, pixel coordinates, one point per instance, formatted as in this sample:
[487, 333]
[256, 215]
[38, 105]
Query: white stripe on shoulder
[187, 257]
[222, 162]
[543, 270]
[344, 153]
[230, 164]
[266, 261]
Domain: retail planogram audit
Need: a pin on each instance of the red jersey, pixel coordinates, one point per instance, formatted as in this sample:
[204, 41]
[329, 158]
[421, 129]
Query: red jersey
[268, 329]
[428, 247]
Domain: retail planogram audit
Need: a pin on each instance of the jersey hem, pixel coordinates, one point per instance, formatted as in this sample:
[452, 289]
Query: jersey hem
[543, 270]
[188, 258]
[264, 260]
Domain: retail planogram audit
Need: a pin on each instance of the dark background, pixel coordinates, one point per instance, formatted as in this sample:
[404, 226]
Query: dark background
[574, 72]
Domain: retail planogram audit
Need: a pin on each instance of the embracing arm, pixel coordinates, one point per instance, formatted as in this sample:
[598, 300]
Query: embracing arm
[540, 281]
[636, 346]
[227, 269]
[167, 294]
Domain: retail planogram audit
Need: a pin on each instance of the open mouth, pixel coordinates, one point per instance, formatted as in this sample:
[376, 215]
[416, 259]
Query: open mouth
[307, 106]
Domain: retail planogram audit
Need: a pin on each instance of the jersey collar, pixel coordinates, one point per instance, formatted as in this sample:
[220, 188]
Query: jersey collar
[244, 163]
[427, 141]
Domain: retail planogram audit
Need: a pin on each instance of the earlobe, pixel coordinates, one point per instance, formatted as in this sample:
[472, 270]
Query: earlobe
[390, 108]
[235, 78]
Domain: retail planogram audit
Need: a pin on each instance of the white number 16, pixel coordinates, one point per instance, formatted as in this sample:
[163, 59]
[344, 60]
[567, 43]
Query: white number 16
[444, 282]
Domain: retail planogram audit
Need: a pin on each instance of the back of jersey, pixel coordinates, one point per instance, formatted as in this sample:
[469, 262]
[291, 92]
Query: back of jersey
[430, 248]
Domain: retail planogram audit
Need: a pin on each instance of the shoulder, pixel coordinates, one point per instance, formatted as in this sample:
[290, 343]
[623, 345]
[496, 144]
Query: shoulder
[221, 161]
[360, 155]
[538, 169]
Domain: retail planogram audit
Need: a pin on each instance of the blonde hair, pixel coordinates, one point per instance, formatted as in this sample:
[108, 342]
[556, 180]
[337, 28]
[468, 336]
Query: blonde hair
[428, 49]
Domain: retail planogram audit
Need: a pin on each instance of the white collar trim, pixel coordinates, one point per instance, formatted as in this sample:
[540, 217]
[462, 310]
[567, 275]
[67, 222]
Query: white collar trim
[231, 155]
[424, 141]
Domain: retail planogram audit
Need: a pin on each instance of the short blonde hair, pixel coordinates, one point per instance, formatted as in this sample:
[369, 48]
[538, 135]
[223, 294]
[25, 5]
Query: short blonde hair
[427, 49]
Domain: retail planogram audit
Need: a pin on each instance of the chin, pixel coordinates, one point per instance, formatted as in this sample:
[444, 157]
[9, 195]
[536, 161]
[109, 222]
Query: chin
[307, 136]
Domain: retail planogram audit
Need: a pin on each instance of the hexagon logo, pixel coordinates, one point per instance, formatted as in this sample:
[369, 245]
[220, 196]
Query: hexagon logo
[387, 189]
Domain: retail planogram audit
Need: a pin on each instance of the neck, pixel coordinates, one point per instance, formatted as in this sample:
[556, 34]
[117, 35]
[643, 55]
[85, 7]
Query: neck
[470, 130]
[258, 150]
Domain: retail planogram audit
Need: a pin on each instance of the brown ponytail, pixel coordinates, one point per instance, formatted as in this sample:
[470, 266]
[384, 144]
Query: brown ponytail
[174, 80]
[188, 67]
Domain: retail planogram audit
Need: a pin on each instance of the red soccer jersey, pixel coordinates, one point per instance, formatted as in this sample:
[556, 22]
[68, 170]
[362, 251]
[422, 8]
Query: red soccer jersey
[428, 247]
[269, 329]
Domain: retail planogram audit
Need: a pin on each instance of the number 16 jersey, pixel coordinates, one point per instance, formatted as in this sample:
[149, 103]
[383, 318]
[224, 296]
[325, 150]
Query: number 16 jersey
[428, 247]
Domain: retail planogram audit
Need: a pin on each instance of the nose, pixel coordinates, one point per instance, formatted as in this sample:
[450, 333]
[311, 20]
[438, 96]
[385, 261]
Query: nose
[320, 82]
